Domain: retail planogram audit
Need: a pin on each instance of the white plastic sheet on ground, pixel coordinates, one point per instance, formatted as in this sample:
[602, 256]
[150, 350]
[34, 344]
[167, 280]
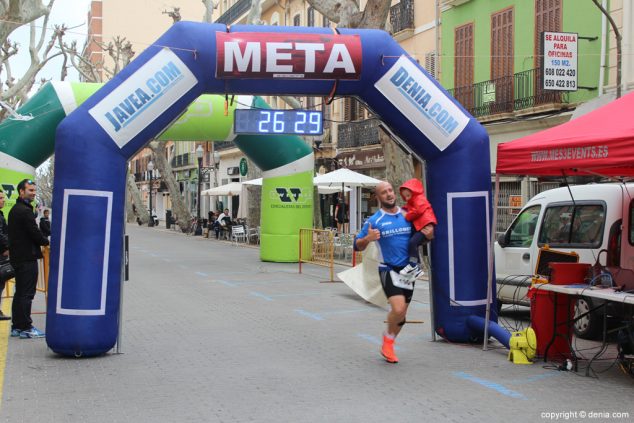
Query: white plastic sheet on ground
[364, 278]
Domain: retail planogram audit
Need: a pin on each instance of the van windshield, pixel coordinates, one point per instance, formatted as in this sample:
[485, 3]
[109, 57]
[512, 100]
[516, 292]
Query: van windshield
[523, 228]
[569, 225]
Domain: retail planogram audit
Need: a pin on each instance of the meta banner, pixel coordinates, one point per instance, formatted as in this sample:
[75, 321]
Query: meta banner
[423, 103]
[141, 98]
[280, 55]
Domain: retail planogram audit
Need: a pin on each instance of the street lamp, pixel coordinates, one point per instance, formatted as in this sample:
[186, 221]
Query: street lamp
[199, 156]
[150, 168]
[216, 166]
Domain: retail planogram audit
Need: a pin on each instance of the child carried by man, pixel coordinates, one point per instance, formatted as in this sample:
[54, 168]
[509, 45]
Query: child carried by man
[418, 211]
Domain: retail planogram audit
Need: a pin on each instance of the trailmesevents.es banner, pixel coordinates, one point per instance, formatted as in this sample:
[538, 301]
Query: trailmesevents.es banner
[287, 206]
[143, 97]
[423, 103]
[281, 55]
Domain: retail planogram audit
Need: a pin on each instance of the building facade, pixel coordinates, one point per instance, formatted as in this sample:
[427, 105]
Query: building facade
[141, 22]
[492, 62]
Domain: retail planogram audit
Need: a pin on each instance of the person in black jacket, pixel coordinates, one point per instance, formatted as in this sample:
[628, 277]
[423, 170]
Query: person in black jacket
[45, 224]
[25, 240]
[4, 248]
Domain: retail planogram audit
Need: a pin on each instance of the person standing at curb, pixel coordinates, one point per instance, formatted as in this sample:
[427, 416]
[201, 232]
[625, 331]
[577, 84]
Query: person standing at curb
[45, 224]
[25, 240]
[4, 248]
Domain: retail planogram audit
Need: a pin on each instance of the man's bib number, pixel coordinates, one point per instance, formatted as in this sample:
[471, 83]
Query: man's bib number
[400, 281]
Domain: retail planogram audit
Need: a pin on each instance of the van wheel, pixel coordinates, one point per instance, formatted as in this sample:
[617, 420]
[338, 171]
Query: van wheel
[589, 326]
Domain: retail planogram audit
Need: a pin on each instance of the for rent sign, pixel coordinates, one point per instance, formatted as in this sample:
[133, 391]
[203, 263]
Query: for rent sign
[281, 55]
[560, 61]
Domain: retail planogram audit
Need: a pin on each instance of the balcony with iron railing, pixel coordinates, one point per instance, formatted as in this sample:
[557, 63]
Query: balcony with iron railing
[234, 12]
[358, 133]
[402, 16]
[510, 94]
[223, 145]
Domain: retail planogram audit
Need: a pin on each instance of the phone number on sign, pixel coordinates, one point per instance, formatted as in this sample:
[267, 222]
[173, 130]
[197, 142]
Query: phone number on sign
[569, 415]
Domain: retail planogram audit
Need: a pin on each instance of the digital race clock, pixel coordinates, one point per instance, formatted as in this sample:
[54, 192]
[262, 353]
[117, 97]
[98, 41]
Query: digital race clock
[269, 121]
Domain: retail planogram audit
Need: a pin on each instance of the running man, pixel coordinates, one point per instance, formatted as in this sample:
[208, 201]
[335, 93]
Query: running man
[389, 227]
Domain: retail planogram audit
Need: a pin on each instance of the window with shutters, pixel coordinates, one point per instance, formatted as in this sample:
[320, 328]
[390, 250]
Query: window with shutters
[463, 65]
[547, 18]
[353, 110]
[502, 52]
[325, 110]
[310, 16]
[430, 64]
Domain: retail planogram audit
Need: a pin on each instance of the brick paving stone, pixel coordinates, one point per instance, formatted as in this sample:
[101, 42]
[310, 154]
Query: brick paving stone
[211, 334]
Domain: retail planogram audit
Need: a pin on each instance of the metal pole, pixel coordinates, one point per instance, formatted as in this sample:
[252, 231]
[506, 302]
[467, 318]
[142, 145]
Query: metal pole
[124, 263]
[491, 275]
[151, 222]
[200, 162]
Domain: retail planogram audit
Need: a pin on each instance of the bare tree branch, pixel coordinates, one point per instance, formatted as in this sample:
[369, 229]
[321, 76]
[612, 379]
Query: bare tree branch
[210, 5]
[175, 14]
[345, 13]
[15, 13]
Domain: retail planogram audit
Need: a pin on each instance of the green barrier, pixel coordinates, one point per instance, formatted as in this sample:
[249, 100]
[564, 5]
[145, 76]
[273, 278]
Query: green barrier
[10, 180]
[287, 206]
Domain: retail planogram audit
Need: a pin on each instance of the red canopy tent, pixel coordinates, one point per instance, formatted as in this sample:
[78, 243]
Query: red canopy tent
[598, 143]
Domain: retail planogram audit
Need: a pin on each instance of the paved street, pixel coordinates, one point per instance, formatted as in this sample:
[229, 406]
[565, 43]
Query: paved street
[211, 334]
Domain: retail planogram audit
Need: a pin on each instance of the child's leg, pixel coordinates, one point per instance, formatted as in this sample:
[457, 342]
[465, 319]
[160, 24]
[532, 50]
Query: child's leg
[412, 247]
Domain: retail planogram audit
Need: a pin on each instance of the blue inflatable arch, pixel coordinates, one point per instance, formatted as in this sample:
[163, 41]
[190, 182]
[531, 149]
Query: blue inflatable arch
[94, 143]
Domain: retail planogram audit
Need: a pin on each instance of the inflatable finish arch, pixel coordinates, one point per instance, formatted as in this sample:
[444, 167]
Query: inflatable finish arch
[94, 142]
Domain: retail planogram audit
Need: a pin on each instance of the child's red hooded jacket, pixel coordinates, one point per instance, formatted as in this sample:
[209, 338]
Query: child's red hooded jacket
[419, 210]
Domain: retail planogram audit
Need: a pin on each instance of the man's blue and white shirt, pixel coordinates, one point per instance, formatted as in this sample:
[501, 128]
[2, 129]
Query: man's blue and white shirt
[395, 234]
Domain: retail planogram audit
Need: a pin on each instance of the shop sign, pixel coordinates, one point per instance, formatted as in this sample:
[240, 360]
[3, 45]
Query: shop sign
[515, 203]
[362, 159]
[560, 61]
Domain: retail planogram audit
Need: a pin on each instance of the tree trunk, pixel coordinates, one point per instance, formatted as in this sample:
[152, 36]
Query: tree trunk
[44, 180]
[375, 14]
[129, 210]
[345, 13]
[141, 212]
[399, 166]
[317, 222]
[179, 208]
[255, 195]
[18, 13]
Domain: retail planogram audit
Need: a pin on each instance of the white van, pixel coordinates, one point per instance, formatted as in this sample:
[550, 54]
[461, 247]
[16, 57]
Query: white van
[596, 217]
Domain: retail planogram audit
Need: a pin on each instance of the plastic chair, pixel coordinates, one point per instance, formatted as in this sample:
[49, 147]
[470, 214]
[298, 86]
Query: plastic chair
[238, 234]
[253, 234]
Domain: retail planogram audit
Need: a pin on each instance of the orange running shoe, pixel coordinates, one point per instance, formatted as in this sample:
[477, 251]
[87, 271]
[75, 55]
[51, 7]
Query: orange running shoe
[387, 350]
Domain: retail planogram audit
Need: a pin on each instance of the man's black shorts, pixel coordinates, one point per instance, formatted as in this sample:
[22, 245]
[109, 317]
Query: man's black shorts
[391, 290]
